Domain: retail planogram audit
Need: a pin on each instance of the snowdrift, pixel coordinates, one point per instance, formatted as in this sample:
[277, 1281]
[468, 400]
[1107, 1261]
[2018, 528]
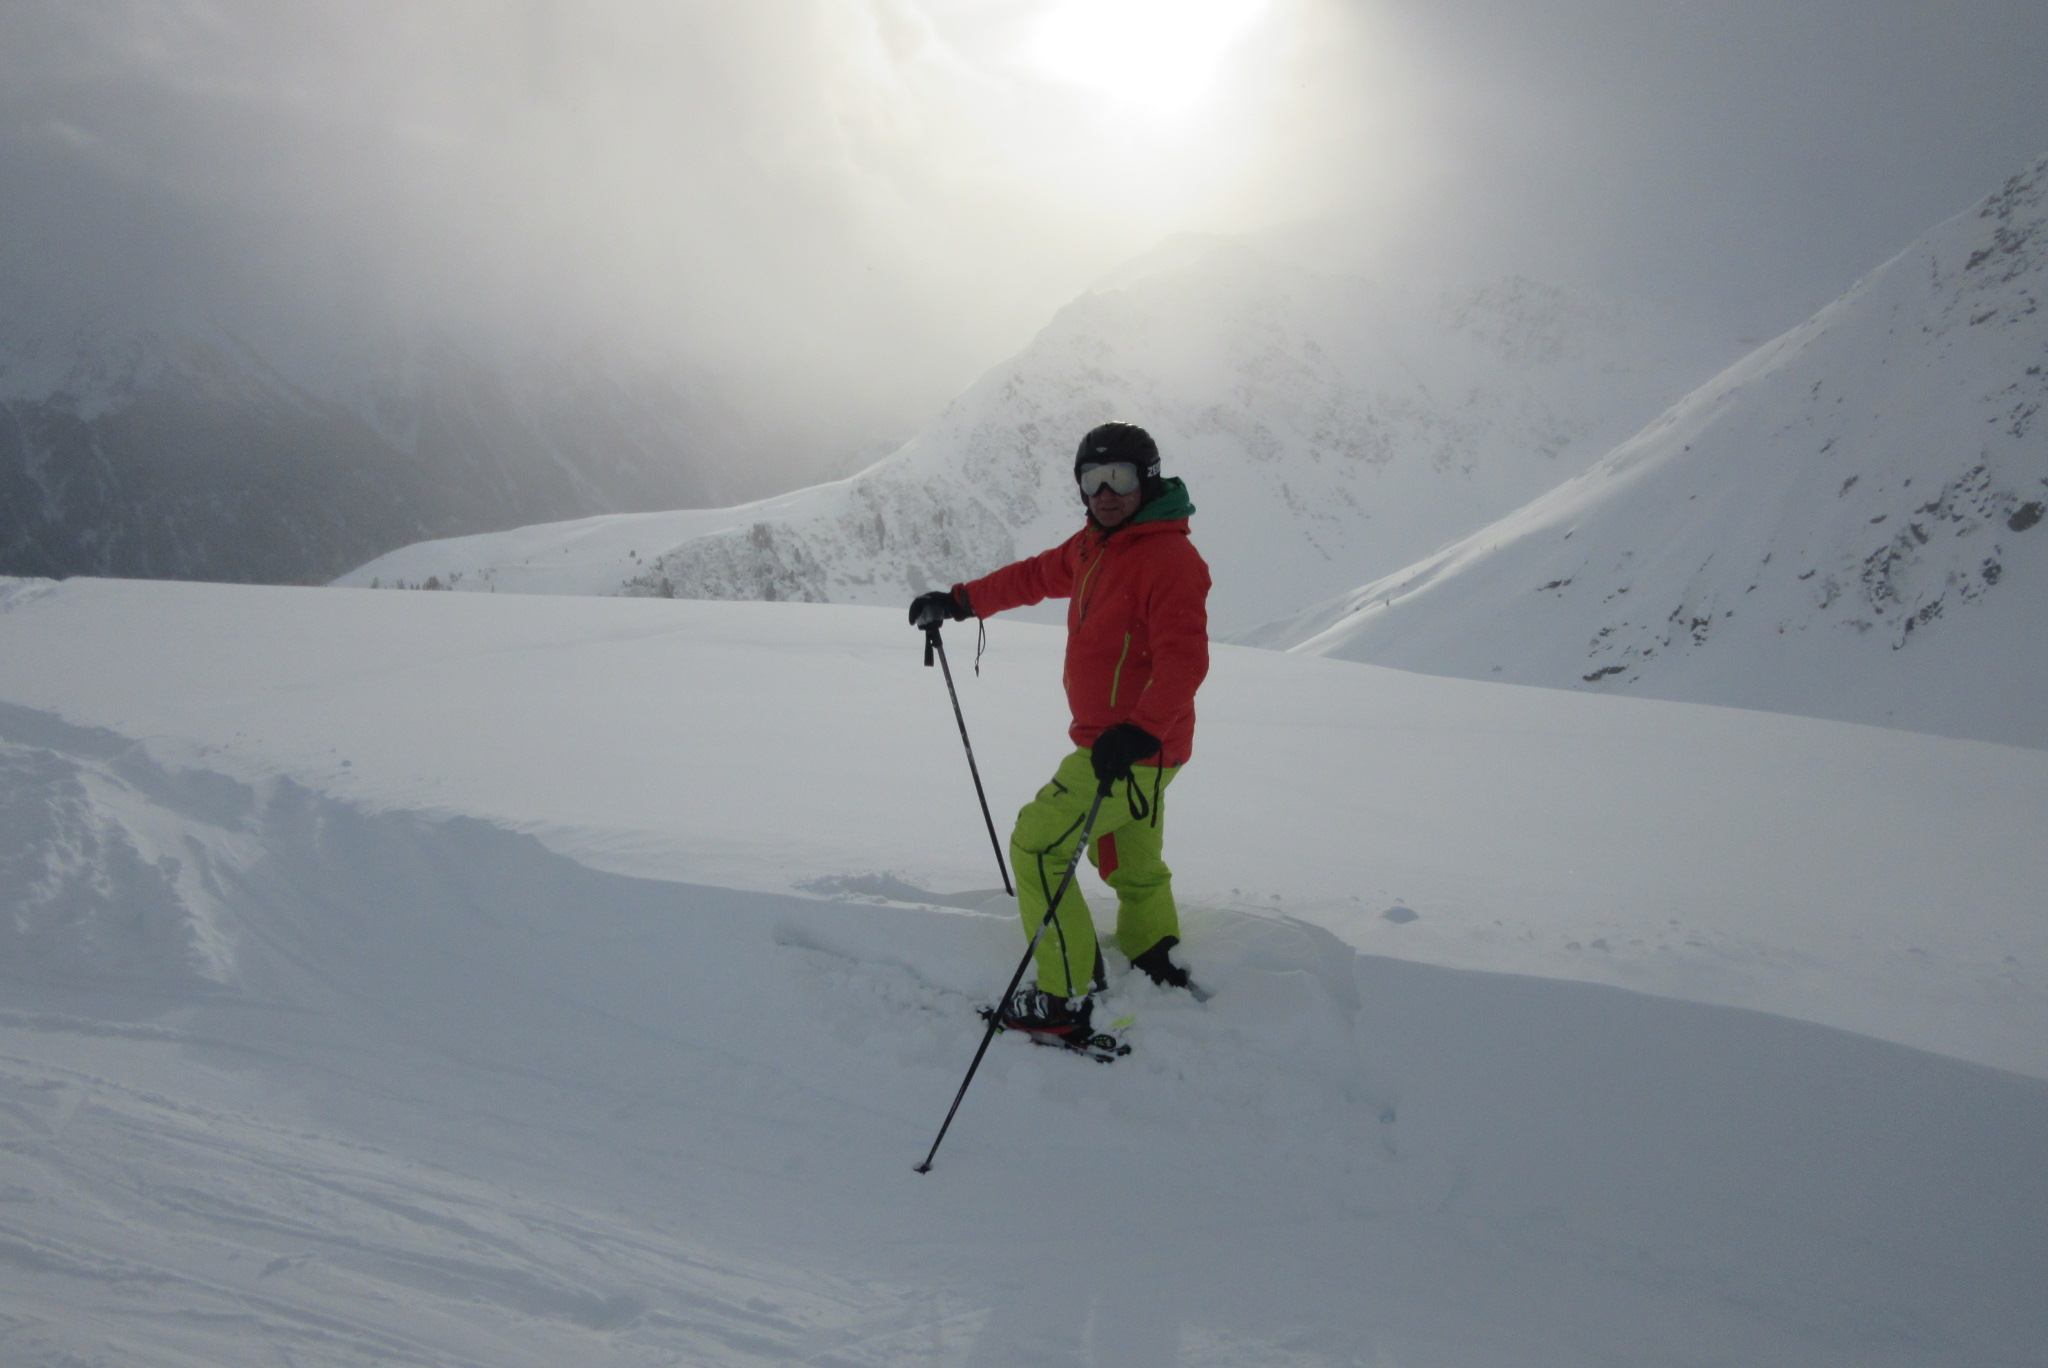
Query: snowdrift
[1874, 880]
[1847, 524]
[435, 979]
[459, 1099]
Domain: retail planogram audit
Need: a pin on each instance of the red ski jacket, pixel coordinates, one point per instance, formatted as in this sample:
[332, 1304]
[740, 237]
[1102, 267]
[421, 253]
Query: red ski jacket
[1137, 622]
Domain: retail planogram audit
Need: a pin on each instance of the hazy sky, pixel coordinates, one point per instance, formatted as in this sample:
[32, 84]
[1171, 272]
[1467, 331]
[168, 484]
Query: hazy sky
[870, 201]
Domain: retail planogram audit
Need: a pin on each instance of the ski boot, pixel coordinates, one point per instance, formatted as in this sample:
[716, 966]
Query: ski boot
[1156, 965]
[1065, 1022]
[1047, 1019]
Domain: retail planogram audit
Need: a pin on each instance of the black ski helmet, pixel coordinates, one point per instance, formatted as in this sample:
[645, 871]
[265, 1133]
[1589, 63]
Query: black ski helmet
[1122, 442]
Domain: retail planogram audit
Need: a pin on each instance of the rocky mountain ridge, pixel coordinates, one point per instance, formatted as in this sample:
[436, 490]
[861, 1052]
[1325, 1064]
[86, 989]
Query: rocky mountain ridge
[1847, 523]
[130, 449]
[1327, 426]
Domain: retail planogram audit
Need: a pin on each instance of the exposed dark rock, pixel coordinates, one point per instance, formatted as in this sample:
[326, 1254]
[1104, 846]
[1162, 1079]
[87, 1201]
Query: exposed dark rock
[182, 461]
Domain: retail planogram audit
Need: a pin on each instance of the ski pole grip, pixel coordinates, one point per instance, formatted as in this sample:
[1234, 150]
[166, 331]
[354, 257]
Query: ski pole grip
[931, 640]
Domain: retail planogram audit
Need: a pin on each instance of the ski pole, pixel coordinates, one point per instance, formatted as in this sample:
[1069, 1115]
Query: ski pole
[931, 644]
[995, 1019]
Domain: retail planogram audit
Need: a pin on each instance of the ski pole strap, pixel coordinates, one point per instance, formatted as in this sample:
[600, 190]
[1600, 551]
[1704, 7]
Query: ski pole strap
[1134, 798]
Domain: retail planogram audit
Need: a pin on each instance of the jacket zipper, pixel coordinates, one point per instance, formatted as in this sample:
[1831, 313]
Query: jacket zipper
[1081, 604]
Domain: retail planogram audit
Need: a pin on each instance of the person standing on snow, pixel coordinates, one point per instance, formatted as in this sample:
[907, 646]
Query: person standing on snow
[1137, 649]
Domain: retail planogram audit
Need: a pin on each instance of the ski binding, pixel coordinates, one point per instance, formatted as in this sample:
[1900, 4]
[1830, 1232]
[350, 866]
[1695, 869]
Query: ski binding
[1100, 1046]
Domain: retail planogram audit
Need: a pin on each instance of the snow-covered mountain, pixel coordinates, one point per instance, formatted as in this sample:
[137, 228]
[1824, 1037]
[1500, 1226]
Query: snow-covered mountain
[180, 449]
[1848, 523]
[519, 982]
[1329, 427]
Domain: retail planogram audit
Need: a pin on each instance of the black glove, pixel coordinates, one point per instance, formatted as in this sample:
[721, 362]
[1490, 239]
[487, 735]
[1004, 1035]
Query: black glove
[1118, 748]
[929, 610]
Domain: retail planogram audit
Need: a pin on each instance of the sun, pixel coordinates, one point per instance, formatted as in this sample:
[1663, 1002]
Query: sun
[1162, 55]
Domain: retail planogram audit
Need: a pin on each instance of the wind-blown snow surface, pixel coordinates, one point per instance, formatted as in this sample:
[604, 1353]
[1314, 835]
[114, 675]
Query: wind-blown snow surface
[1847, 524]
[1329, 428]
[433, 979]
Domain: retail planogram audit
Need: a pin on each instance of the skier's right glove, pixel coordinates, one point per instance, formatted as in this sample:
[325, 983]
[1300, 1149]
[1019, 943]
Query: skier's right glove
[1118, 748]
[929, 610]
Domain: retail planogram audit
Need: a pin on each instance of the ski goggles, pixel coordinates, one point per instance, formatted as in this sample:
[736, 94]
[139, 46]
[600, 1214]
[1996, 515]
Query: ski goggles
[1120, 477]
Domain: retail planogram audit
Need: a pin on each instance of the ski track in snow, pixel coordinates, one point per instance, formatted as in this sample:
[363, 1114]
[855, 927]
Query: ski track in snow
[454, 1099]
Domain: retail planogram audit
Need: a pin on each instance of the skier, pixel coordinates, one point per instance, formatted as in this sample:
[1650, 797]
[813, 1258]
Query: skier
[1137, 649]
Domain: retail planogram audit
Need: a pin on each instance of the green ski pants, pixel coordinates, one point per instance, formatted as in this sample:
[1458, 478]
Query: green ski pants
[1125, 848]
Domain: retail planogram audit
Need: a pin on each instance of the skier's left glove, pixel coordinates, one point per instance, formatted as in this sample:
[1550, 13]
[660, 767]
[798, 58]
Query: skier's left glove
[1118, 748]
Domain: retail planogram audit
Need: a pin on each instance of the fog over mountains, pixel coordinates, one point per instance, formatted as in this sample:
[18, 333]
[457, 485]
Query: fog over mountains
[146, 447]
[1329, 426]
[1843, 524]
[1846, 524]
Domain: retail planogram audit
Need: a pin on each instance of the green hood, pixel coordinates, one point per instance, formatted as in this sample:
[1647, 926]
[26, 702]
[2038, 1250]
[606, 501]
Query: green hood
[1173, 502]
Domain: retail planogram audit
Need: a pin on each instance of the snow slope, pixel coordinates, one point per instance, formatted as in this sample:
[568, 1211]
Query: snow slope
[435, 979]
[1847, 524]
[1330, 427]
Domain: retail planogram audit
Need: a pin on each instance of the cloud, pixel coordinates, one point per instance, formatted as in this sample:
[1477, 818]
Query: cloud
[1759, 154]
[855, 205]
